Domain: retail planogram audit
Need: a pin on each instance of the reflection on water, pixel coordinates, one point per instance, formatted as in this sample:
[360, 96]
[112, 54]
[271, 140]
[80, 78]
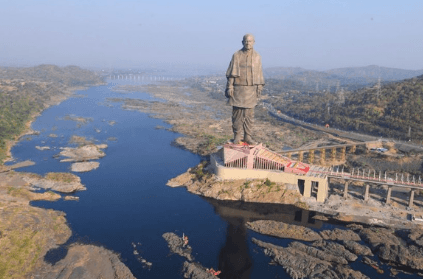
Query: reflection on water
[251, 211]
[234, 258]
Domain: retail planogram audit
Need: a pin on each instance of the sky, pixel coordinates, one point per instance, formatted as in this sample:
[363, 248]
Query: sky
[312, 34]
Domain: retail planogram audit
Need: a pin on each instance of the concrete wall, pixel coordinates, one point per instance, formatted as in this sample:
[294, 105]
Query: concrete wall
[276, 176]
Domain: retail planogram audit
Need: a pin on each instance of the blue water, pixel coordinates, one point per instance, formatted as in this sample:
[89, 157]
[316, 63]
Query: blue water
[127, 201]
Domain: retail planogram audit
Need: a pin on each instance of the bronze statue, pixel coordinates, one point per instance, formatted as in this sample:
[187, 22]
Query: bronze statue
[243, 88]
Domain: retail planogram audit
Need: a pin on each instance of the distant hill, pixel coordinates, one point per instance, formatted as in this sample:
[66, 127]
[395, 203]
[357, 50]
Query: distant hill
[353, 78]
[69, 75]
[395, 110]
[374, 72]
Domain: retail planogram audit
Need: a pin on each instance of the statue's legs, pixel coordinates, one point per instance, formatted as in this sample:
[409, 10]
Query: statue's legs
[248, 125]
[242, 124]
[237, 123]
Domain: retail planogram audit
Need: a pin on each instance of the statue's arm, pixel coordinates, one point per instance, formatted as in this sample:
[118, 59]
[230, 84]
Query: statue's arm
[229, 92]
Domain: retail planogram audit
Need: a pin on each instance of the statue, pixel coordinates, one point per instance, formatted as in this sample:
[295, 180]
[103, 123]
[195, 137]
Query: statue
[243, 89]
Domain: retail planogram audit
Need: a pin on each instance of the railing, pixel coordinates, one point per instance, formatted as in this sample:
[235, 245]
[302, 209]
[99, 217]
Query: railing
[374, 176]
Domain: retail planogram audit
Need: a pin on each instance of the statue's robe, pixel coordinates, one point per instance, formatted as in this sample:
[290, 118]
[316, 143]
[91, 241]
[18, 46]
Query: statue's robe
[246, 71]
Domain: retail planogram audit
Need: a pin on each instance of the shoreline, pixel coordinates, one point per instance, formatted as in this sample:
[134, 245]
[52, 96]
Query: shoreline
[28, 131]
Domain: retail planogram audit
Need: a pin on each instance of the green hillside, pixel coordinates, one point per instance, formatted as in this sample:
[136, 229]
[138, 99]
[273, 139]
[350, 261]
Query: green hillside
[395, 110]
[25, 92]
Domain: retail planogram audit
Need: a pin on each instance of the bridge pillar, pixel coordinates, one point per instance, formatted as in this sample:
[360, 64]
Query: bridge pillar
[346, 190]
[333, 154]
[343, 151]
[411, 201]
[322, 156]
[388, 195]
[289, 155]
[367, 192]
[300, 156]
[352, 150]
[311, 156]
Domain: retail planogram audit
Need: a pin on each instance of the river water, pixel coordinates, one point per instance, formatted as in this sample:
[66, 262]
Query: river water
[127, 201]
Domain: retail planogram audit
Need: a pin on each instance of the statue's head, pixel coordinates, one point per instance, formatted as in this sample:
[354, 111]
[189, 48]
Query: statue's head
[248, 41]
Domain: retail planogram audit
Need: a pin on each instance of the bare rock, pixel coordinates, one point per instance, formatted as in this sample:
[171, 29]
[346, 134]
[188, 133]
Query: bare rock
[176, 246]
[59, 182]
[317, 253]
[89, 261]
[283, 230]
[83, 153]
[180, 180]
[335, 249]
[357, 248]
[42, 147]
[411, 256]
[390, 248]
[376, 237]
[302, 261]
[196, 271]
[71, 198]
[338, 234]
[84, 166]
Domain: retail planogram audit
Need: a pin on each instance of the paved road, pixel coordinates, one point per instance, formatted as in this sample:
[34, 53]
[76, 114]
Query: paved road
[402, 146]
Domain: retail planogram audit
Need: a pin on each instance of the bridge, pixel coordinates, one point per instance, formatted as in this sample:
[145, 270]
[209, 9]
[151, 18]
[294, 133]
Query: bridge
[132, 77]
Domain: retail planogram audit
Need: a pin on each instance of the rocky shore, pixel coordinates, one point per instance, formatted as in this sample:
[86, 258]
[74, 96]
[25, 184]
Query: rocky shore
[28, 233]
[201, 181]
[330, 252]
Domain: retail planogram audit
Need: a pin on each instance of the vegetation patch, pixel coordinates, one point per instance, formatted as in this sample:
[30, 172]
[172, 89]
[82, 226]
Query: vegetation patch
[62, 177]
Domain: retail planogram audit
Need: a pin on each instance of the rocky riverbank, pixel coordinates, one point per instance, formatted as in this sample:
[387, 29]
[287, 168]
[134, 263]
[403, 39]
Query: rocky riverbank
[27, 233]
[201, 181]
[331, 252]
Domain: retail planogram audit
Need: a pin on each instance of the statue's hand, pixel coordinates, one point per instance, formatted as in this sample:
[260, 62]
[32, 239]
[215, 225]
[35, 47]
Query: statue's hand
[229, 92]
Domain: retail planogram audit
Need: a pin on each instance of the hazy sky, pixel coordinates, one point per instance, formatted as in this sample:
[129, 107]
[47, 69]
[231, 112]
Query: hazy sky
[313, 34]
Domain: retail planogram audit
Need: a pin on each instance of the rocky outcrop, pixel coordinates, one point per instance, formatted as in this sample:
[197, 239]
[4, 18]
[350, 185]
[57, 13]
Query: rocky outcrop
[89, 261]
[83, 153]
[335, 249]
[176, 246]
[196, 271]
[302, 261]
[84, 166]
[42, 147]
[385, 243]
[283, 230]
[338, 234]
[68, 184]
[357, 248]
[201, 182]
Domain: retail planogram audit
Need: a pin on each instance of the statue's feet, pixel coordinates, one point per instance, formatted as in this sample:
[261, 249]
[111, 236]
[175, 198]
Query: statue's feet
[237, 139]
[249, 140]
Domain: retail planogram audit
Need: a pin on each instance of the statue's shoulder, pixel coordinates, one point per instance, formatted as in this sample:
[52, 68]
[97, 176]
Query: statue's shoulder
[255, 53]
[238, 52]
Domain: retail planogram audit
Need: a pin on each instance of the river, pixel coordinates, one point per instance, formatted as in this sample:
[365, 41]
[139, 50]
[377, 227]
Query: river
[127, 201]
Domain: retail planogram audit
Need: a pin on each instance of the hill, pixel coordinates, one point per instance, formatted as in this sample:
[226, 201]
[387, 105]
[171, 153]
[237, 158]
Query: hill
[353, 78]
[395, 110]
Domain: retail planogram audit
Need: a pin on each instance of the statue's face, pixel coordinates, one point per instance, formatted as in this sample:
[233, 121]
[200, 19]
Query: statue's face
[248, 43]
